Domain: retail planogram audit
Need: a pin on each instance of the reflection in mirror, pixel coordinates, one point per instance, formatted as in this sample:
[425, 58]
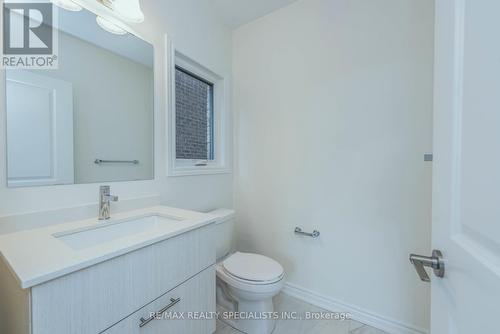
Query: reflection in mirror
[90, 120]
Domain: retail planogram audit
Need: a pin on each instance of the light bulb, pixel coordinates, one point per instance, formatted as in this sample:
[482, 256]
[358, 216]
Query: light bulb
[110, 26]
[129, 10]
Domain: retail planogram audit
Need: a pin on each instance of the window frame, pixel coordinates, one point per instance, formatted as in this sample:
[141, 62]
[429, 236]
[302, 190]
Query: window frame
[183, 167]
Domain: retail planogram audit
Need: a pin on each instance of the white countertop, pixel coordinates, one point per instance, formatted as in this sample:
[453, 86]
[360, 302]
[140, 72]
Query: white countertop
[37, 256]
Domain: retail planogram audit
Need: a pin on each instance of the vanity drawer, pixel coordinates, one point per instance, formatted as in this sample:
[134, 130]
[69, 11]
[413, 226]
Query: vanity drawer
[93, 299]
[195, 295]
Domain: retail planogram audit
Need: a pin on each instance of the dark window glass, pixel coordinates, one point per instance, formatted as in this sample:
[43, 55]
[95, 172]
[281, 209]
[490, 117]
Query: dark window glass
[194, 130]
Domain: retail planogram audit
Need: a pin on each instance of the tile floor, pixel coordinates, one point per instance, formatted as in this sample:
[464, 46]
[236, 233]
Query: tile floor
[286, 303]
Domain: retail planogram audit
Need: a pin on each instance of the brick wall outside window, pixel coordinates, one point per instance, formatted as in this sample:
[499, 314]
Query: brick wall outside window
[193, 117]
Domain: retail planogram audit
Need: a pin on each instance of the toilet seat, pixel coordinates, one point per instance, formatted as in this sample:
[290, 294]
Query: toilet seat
[253, 268]
[251, 272]
[256, 288]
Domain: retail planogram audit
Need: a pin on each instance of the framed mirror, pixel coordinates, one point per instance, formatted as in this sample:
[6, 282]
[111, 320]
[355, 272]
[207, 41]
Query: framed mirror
[91, 119]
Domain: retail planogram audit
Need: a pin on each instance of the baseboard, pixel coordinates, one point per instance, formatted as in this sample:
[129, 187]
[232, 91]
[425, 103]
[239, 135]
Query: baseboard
[383, 323]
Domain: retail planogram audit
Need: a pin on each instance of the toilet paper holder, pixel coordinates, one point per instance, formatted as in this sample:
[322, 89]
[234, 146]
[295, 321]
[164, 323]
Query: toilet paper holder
[314, 233]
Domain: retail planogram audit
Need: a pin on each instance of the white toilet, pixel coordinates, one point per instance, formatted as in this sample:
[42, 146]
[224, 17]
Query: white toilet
[246, 282]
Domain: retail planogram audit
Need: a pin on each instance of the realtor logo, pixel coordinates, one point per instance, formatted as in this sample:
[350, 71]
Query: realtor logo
[29, 35]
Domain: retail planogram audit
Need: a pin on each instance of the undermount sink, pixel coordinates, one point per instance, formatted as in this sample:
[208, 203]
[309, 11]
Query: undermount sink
[111, 231]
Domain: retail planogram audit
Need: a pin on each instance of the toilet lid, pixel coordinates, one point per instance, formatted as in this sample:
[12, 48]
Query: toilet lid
[253, 267]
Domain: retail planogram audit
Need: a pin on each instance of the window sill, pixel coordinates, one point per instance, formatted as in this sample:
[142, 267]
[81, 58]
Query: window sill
[192, 171]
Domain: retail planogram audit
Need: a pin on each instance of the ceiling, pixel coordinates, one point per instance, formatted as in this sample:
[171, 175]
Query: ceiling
[235, 13]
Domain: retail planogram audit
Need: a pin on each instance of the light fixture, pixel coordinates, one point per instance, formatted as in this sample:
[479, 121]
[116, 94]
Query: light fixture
[67, 4]
[122, 11]
[128, 10]
[110, 26]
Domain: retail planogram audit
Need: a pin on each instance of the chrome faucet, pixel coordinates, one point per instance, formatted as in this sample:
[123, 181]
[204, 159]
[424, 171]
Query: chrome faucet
[104, 198]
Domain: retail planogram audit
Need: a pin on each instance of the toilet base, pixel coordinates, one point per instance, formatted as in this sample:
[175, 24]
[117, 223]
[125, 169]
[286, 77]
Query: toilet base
[233, 310]
[253, 326]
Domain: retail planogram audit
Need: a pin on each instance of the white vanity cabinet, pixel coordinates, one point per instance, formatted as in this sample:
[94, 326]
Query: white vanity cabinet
[112, 296]
[178, 310]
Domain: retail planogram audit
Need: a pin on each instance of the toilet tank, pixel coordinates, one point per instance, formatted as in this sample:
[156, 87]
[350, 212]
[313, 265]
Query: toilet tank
[224, 231]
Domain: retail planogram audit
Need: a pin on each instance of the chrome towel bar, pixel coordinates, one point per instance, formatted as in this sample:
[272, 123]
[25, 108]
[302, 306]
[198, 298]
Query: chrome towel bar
[314, 233]
[100, 161]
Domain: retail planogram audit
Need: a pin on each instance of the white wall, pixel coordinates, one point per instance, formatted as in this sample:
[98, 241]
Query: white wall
[196, 31]
[193, 27]
[333, 109]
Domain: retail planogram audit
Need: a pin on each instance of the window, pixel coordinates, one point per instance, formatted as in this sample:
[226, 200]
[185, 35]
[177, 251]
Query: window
[197, 119]
[194, 113]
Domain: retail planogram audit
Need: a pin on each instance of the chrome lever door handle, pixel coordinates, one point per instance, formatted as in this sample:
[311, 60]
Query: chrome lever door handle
[418, 263]
[435, 262]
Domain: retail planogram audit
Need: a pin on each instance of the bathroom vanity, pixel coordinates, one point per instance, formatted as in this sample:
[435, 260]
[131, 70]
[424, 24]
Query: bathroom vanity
[111, 277]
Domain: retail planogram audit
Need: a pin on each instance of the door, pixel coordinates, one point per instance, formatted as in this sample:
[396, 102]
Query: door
[466, 174]
[39, 130]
